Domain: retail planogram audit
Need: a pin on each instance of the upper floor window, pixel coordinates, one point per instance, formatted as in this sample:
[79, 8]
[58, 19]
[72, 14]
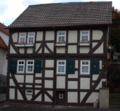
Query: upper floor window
[61, 66]
[22, 37]
[84, 36]
[30, 66]
[31, 37]
[85, 67]
[61, 37]
[21, 65]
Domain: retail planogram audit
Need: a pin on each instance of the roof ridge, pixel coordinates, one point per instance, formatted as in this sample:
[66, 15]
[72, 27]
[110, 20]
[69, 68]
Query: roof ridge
[72, 2]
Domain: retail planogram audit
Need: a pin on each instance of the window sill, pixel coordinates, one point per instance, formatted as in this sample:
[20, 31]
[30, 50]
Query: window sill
[84, 44]
[24, 45]
[60, 44]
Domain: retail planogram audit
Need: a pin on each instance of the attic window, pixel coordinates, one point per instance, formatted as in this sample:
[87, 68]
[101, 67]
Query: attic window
[31, 37]
[22, 37]
[84, 36]
[29, 91]
[61, 37]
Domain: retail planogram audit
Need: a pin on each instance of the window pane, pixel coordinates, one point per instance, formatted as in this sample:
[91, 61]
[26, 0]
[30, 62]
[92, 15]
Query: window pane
[30, 40]
[30, 68]
[84, 69]
[61, 69]
[31, 34]
[22, 40]
[20, 69]
[85, 32]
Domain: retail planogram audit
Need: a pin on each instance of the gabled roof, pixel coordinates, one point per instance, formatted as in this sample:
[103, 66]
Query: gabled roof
[2, 44]
[2, 29]
[65, 14]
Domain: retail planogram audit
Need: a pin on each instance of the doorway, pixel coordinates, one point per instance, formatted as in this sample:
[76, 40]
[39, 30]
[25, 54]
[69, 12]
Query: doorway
[60, 97]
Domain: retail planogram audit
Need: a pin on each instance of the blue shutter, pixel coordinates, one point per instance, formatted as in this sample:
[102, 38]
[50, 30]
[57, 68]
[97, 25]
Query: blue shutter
[37, 66]
[70, 67]
[13, 66]
[94, 67]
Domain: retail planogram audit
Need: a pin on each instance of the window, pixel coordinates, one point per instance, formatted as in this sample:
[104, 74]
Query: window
[21, 65]
[22, 37]
[60, 96]
[61, 66]
[85, 67]
[29, 91]
[61, 37]
[30, 66]
[84, 36]
[31, 36]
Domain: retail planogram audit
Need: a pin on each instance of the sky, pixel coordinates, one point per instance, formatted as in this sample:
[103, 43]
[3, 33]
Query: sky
[11, 9]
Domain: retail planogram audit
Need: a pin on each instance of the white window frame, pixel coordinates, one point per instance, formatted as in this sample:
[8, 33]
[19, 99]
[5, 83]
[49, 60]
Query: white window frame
[29, 65]
[26, 91]
[20, 65]
[61, 65]
[84, 34]
[62, 35]
[31, 36]
[22, 37]
[85, 65]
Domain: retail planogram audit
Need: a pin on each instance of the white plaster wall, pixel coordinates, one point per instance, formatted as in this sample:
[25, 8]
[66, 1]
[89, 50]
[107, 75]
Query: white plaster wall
[49, 73]
[60, 50]
[36, 91]
[37, 46]
[72, 36]
[72, 97]
[19, 78]
[84, 83]
[99, 50]
[99, 85]
[21, 50]
[95, 77]
[50, 45]
[29, 97]
[100, 64]
[47, 99]
[82, 95]
[50, 92]
[72, 85]
[4, 37]
[93, 97]
[28, 85]
[12, 93]
[12, 51]
[45, 50]
[48, 83]
[39, 36]
[38, 86]
[84, 50]
[39, 98]
[60, 82]
[19, 96]
[29, 79]
[49, 35]
[15, 37]
[73, 75]
[38, 74]
[49, 63]
[72, 49]
[3, 62]
[76, 63]
[12, 83]
[29, 50]
[94, 44]
[38, 81]
[97, 34]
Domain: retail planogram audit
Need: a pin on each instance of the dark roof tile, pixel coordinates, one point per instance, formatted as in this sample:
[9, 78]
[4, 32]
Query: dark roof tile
[65, 14]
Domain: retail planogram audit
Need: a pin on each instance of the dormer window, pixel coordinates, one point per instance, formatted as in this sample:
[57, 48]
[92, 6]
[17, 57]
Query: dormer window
[22, 38]
[84, 36]
[61, 37]
[31, 37]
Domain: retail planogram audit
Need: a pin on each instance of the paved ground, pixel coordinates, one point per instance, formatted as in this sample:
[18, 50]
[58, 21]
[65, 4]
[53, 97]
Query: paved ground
[7, 108]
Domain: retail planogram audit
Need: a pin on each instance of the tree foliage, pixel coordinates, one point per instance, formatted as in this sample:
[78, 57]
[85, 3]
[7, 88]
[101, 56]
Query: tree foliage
[115, 29]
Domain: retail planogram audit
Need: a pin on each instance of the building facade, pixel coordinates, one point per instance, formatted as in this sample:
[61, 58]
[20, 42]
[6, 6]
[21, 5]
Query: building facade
[4, 38]
[58, 54]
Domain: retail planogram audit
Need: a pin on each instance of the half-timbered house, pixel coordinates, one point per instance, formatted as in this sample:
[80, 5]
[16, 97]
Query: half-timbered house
[57, 53]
